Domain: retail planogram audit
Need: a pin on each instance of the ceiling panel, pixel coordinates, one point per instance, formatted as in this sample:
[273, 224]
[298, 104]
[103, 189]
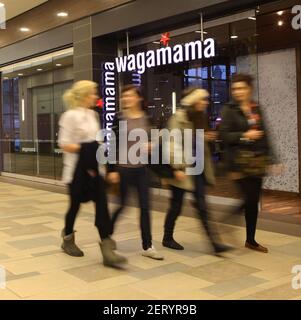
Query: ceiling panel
[15, 7]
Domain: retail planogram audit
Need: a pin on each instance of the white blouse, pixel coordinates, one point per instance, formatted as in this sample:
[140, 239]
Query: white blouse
[78, 125]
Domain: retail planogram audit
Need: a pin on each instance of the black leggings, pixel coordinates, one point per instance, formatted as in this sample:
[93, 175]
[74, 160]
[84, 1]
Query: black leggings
[139, 179]
[250, 188]
[176, 203]
[102, 218]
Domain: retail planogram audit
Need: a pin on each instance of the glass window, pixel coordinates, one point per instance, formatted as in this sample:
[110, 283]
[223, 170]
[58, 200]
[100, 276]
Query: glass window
[219, 72]
[32, 105]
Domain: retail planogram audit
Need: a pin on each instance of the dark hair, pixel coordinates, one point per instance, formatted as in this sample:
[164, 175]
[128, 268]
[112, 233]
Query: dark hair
[137, 90]
[246, 78]
[131, 87]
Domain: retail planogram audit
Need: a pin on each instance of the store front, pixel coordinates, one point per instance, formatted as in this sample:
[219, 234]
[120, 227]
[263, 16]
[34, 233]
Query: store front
[201, 49]
[164, 64]
[31, 108]
[260, 42]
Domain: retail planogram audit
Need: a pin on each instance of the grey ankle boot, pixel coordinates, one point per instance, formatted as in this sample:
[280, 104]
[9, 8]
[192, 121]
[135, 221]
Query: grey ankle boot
[113, 243]
[110, 258]
[69, 246]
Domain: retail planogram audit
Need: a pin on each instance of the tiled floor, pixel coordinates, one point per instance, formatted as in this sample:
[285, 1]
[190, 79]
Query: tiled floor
[30, 224]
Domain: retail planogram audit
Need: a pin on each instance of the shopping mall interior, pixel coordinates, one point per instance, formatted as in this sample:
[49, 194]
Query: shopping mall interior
[46, 46]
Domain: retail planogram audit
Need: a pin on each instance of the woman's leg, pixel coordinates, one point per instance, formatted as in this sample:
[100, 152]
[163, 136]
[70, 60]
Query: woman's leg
[125, 178]
[176, 203]
[141, 182]
[74, 206]
[69, 245]
[103, 224]
[251, 189]
[204, 216]
[103, 221]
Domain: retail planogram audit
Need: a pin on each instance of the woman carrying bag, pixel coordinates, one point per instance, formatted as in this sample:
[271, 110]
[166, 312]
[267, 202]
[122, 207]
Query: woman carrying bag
[248, 151]
[191, 117]
[79, 127]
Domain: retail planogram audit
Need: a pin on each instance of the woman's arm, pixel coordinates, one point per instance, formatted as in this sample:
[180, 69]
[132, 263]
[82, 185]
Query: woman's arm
[71, 148]
[66, 134]
[270, 149]
[227, 133]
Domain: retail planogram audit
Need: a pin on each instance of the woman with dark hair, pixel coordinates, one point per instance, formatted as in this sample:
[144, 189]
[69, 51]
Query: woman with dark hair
[130, 174]
[248, 151]
[190, 117]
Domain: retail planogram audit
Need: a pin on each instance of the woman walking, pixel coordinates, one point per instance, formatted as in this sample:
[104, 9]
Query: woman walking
[248, 151]
[79, 127]
[191, 117]
[129, 174]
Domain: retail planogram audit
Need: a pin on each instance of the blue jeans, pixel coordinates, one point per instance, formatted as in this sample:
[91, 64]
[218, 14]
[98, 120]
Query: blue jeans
[139, 179]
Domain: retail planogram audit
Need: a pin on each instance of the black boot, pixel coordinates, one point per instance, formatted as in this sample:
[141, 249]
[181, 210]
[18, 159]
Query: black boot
[172, 244]
[169, 242]
[221, 248]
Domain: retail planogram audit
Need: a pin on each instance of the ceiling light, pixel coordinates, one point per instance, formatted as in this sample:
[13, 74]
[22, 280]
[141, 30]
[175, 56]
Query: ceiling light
[1, 4]
[280, 23]
[280, 13]
[24, 29]
[20, 74]
[62, 14]
[252, 18]
[234, 37]
[156, 42]
[39, 69]
[58, 65]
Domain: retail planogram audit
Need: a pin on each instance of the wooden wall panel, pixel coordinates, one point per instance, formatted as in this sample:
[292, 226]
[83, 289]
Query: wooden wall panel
[44, 17]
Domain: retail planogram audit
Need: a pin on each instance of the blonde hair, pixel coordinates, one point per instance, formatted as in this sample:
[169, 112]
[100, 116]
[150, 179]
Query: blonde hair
[193, 97]
[74, 96]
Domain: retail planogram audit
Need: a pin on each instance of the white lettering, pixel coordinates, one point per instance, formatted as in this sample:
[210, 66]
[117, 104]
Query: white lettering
[191, 51]
[121, 64]
[178, 53]
[210, 48]
[141, 62]
[131, 62]
[150, 62]
[163, 56]
[109, 66]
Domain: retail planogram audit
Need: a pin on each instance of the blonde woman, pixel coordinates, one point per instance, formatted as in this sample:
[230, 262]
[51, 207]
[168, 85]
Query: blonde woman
[191, 117]
[79, 127]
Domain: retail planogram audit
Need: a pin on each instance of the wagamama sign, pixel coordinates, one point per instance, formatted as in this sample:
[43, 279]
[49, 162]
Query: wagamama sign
[179, 53]
[138, 63]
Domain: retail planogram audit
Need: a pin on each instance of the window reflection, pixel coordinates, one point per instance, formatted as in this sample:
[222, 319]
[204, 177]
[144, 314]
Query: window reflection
[32, 105]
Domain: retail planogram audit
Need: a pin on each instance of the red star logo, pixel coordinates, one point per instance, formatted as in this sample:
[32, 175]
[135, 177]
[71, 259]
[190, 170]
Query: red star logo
[165, 38]
[99, 103]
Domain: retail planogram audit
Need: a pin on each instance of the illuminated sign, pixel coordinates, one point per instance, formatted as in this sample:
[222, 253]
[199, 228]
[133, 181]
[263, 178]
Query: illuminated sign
[109, 95]
[138, 63]
[169, 55]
